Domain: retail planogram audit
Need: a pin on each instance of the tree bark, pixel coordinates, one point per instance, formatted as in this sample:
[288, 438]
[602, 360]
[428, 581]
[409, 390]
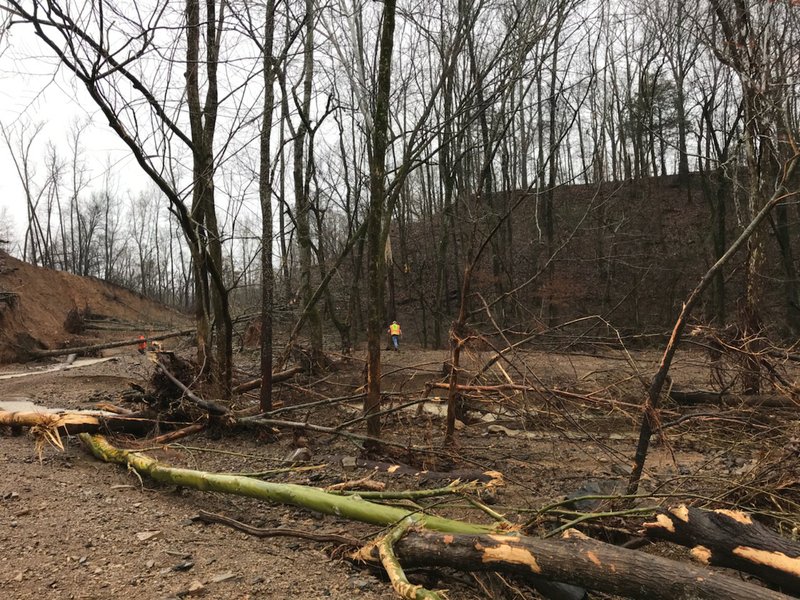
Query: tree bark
[577, 560]
[265, 184]
[729, 538]
[376, 235]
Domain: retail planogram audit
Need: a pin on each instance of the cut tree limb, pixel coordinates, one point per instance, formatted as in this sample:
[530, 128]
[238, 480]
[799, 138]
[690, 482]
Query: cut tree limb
[575, 559]
[394, 569]
[178, 434]
[732, 539]
[276, 378]
[349, 507]
[106, 345]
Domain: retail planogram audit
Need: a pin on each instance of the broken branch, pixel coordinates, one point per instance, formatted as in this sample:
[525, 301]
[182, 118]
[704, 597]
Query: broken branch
[575, 559]
[731, 538]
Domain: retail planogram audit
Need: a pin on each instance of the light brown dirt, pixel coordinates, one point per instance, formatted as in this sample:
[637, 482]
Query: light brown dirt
[44, 298]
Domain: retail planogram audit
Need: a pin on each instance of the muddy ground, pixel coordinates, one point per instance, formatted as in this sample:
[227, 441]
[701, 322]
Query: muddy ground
[74, 527]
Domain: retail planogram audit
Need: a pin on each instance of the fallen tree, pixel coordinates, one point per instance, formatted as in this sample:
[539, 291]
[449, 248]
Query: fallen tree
[82, 350]
[424, 539]
[731, 539]
[575, 559]
[350, 507]
[73, 423]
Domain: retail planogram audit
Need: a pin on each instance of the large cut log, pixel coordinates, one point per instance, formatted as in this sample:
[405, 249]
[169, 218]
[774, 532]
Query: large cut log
[575, 559]
[729, 538]
[82, 350]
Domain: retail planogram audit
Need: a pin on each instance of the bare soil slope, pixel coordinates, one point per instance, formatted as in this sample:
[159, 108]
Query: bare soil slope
[34, 314]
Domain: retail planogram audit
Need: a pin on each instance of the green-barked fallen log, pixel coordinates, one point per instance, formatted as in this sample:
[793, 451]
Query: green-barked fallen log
[348, 507]
[436, 541]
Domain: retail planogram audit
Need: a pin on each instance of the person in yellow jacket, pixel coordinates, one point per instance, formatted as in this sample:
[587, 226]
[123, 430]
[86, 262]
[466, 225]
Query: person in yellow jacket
[395, 333]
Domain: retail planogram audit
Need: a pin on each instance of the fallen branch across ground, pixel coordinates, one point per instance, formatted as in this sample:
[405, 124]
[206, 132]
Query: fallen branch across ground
[276, 378]
[262, 532]
[82, 350]
[469, 546]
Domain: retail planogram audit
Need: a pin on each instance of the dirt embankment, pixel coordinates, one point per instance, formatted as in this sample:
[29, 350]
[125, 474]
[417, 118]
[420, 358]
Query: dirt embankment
[35, 303]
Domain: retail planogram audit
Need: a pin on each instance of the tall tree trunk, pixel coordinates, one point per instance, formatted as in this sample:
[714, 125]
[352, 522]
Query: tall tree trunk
[212, 294]
[376, 235]
[265, 195]
[302, 178]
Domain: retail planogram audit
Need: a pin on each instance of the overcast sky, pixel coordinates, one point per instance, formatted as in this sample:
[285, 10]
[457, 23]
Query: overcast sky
[31, 93]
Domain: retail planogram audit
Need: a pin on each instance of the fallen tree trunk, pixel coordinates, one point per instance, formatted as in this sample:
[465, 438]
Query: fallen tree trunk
[349, 507]
[691, 397]
[728, 538]
[575, 559]
[276, 378]
[513, 387]
[105, 346]
[73, 423]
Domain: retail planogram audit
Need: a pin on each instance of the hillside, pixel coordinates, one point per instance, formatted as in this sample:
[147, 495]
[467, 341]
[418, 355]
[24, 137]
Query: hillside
[628, 251]
[35, 303]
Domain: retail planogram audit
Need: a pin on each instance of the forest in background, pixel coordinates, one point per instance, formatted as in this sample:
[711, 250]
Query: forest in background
[515, 164]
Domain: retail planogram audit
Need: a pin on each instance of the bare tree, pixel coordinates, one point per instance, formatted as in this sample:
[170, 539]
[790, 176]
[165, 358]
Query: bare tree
[106, 49]
[20, 145]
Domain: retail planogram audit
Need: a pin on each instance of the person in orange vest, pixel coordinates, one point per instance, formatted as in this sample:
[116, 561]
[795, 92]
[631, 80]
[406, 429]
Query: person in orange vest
[395, 332]
[142, 344]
